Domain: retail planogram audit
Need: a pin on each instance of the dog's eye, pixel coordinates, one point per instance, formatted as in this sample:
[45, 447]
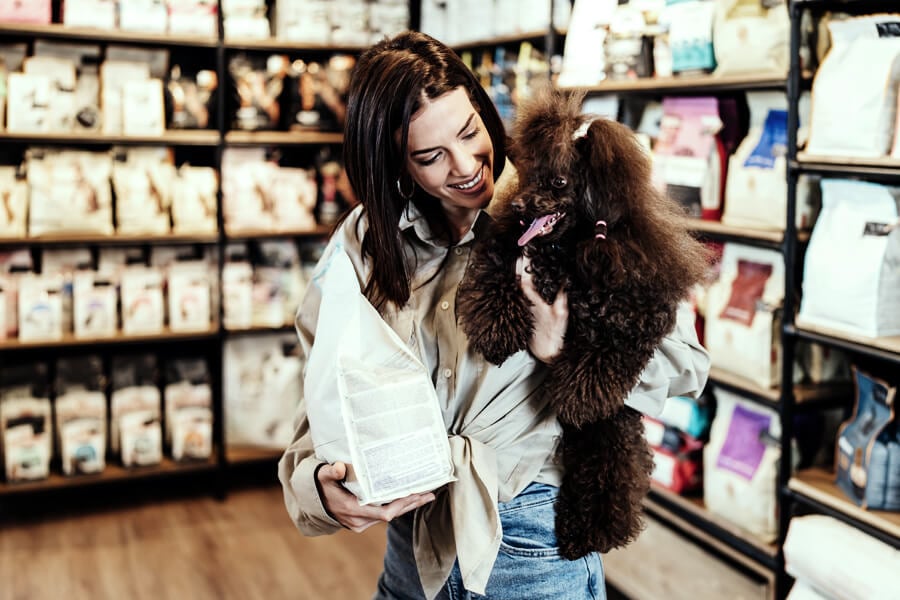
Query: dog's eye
[559, 182]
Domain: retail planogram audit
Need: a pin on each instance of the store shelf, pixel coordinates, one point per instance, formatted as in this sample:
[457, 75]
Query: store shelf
[693, 511]
[502, 40]
[93, 34]
[805, 395]
[685, 84]
[115, 240]
[235, 455]
[256, 234]
[883, 348]
[112, 474]
[884, 169]
[277, 45]
[70, 341]
[257, 330]
[816, 488]
[172, 137]
[282, 138]
[766, 238]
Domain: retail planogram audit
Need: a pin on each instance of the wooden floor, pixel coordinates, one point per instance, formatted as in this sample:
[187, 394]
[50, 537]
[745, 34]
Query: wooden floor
[199, 548]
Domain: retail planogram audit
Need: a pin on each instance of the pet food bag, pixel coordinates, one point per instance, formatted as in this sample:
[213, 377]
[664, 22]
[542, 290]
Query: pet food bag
[851, 279]
[750, 36]
[677, 457]
[263, 383]
[370, 401]
[688, 157]
[868, 447]
[743, 314]
[740, 465]
[838, 558]
[26, 426]
[756, 187]
[863, 58]
[690, 34]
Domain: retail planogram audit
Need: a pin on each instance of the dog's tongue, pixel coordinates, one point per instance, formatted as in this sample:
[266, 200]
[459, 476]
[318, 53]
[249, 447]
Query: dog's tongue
[535, 229]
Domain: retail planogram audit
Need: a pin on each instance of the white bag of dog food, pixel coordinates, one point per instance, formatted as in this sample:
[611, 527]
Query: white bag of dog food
[864, 58]
[750, 36]
[851, 278]
[743, 314]
[756, 187]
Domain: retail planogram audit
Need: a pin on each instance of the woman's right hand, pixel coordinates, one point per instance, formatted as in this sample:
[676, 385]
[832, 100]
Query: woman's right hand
[345, 507]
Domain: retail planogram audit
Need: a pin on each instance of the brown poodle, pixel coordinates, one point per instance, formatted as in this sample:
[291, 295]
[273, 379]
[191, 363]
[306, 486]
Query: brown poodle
[586, 214]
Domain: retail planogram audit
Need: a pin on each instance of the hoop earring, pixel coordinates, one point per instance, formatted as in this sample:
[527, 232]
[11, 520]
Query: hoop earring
[400, 190]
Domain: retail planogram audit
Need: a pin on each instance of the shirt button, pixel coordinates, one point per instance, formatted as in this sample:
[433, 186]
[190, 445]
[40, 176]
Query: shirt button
[458, 251]
[445, 305]
[448, 373]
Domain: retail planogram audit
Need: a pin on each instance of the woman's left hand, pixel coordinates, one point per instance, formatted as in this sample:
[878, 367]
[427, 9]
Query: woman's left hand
[550, 320]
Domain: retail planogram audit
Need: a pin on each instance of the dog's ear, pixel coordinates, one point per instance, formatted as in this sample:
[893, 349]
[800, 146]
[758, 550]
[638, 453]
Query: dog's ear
[620, 169]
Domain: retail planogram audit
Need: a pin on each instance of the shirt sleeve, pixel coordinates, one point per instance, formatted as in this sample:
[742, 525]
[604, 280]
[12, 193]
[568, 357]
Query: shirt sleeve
[679, 367]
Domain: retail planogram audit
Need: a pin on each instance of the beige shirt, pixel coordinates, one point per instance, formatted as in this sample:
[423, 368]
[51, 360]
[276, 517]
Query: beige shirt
[502, 432]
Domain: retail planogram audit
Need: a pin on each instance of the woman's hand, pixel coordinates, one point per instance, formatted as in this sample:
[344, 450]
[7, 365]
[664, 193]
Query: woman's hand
[550, 320]
[345, 508]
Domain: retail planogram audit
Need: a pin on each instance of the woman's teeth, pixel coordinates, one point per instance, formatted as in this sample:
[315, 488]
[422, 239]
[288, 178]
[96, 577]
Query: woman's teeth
[471, 184]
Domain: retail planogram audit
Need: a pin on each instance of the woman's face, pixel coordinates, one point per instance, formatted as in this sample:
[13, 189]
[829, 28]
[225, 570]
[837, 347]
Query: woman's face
[450, 155]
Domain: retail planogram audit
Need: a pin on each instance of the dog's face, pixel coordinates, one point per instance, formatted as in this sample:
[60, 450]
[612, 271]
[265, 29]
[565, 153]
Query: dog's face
[574, 172]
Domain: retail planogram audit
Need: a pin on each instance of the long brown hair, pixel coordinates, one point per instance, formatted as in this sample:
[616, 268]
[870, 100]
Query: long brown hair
[386, 89]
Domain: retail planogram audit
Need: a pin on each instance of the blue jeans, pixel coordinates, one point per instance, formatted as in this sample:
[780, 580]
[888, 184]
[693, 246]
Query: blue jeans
[528, 565]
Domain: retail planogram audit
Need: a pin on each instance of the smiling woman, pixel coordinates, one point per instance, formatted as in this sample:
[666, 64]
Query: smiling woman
[423, 148]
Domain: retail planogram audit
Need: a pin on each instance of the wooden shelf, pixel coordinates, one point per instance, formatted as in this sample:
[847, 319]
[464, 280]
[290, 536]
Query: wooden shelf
[885, 348]
[256, 330]
[811, 393]
[245, 235]
[691, 84]
[881, 168]
[278, 45]
[172, 137]
[112, 473]
[70, 340]
[727, 380]
[282, 138]
[94, 34]
[251, 454]
[772, 238]
[694, 511]
[114, 240]
[502, 40]
[818, 485]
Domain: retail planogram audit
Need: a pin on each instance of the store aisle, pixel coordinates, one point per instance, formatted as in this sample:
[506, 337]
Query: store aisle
[243, 548]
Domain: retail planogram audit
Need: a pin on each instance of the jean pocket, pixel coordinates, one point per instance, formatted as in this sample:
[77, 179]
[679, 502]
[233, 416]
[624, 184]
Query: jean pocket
[528, 523]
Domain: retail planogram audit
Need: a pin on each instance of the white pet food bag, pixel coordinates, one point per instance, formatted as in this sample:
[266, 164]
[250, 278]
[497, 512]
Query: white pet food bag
[743, 314]
[863, 58]
[370, 400]
[748, 37]
[740, 465]
[851, 279]
[756, 187]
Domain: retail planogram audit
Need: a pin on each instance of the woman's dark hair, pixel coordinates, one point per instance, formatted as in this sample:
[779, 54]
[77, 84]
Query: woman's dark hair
[386, 89]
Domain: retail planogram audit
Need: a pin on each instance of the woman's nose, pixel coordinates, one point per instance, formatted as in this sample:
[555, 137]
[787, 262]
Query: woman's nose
[464, 162]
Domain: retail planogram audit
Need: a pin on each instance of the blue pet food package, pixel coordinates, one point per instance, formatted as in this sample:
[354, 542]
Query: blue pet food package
[691, 34]
[868, 447]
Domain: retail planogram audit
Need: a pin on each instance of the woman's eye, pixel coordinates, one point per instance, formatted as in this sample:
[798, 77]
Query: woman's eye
[471, 134]
[559, 182]
[430, 160]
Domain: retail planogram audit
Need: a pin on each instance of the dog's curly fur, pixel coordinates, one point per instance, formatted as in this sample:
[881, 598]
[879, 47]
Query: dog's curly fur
[623, 293]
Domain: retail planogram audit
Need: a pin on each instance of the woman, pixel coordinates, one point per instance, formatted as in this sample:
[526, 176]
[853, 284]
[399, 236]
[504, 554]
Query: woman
[423, 148]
